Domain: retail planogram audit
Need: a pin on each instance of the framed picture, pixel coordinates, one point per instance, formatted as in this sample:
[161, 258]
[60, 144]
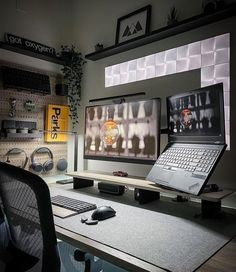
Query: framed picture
[133, 25]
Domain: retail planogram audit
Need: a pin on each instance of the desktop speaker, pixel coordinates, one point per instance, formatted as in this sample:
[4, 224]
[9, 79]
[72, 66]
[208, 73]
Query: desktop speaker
[61, 89]
[62, 164]
[81, 183]
[145, 196]
[111, 188]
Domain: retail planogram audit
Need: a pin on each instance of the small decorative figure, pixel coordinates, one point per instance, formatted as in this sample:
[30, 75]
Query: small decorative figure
[12, 111]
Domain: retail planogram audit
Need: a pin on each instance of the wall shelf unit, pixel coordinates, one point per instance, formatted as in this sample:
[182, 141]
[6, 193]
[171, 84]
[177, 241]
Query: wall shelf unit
[14, 124]
[23, 135]
[22, 51]
[165, 32]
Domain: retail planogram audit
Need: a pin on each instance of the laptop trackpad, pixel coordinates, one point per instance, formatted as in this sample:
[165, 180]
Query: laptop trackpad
[166, 175]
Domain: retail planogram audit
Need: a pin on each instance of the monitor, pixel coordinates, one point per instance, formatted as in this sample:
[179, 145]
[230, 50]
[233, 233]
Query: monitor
[126, 132]
[197, 115]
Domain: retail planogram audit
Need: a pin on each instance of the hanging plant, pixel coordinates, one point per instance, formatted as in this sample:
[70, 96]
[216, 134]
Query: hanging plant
[72, 71]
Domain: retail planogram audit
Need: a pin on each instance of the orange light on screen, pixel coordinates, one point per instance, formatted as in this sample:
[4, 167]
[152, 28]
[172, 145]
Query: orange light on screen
[109, 132]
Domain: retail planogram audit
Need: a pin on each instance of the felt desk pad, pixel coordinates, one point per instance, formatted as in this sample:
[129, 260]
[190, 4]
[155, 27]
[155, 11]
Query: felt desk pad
[167, 241]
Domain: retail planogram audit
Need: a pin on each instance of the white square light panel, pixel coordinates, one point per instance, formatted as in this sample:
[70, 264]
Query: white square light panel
[211, 56]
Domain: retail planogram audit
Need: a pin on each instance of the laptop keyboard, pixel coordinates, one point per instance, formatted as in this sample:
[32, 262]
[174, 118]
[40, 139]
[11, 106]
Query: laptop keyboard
[188, 159]
[76, 205]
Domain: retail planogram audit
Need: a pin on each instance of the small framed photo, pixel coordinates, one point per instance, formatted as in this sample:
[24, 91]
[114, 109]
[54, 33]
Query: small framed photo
[133, 25]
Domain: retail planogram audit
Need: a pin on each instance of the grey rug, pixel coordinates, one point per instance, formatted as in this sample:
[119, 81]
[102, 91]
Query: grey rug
[170, 242]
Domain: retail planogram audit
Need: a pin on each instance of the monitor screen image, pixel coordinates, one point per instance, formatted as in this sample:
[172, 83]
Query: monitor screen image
[197, 113]
[127, 132]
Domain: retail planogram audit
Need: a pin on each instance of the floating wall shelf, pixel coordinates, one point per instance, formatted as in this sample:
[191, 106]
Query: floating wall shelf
[165, 32]
[22, 51]
[23, 135]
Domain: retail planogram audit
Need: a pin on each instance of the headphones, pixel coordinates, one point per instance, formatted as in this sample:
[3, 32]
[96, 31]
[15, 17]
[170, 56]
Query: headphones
[16, 151]
[47, 165]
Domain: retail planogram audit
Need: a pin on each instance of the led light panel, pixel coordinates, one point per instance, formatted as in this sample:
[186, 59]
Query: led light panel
[211, 56]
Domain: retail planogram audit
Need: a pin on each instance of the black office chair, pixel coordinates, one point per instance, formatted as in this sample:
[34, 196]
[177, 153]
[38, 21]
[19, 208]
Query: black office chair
[32, 242]
[4, 238]
[27, 207]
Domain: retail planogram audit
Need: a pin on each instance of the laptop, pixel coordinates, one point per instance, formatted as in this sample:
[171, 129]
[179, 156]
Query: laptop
[196, 140]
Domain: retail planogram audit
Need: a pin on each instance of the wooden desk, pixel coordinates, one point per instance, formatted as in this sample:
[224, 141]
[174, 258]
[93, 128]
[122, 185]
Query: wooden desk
[210, 202]
[107, 253]
[223, 261]
[225, 258]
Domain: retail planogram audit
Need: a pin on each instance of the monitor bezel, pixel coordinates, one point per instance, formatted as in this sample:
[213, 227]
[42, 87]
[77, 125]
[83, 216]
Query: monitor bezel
[219, 139]
[127, 160]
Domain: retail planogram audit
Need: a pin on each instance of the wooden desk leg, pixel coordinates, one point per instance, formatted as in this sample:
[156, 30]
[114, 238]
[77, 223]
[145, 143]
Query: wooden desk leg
[81, 183]
[145, 196]
[211, 209]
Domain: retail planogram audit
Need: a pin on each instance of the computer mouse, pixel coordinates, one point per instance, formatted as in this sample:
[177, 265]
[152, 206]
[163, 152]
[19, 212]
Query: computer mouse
[103, 212]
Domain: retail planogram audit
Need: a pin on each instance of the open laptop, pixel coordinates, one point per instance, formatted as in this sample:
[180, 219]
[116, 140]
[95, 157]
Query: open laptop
[196, 140]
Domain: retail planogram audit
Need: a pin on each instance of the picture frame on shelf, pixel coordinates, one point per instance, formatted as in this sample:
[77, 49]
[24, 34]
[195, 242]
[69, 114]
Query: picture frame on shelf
[133, 25]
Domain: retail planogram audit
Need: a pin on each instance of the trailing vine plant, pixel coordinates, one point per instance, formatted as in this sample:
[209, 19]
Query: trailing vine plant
[72, 70]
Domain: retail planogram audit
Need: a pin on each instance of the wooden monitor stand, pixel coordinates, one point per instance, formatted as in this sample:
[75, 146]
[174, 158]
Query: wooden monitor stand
[210, 202]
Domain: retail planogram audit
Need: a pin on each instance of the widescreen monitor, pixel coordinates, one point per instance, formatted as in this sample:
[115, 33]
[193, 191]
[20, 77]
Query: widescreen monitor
[127, 132]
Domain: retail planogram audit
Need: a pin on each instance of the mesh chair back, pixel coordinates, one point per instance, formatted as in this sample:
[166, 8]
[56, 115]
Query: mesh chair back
[27, 207]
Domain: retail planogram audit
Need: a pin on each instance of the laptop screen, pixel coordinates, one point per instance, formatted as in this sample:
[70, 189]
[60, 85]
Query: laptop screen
[197, 116]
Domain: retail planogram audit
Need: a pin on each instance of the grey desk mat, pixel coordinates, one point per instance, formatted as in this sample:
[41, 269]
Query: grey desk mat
[170, 242]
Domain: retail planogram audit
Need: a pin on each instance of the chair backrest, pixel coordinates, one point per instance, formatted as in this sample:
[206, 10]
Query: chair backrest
[27, 207]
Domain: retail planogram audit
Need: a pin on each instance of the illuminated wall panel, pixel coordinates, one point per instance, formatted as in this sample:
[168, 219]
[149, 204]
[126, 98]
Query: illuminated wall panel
[211, 56]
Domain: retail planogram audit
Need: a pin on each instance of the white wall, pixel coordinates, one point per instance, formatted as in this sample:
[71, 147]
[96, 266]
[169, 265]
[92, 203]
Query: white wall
[47, 22]
[95, 21]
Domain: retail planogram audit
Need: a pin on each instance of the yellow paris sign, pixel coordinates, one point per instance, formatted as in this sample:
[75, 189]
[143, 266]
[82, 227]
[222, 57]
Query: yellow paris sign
[56, 123]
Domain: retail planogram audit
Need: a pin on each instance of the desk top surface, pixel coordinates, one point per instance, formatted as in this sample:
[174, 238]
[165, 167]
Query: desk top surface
[141, 183]
[169, 239]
